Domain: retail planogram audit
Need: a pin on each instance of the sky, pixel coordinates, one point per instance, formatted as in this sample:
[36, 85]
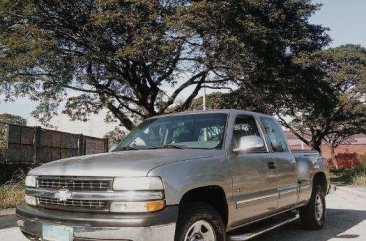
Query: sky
[345, 18]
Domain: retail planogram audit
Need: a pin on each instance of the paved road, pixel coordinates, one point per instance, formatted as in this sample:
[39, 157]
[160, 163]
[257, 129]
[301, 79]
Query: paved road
[8, 221]
[346, 220]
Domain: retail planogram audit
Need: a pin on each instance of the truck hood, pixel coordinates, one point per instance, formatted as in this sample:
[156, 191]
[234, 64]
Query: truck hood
[118, 164]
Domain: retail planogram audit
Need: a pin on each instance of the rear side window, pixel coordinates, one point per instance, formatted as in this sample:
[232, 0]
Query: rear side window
[274, 135]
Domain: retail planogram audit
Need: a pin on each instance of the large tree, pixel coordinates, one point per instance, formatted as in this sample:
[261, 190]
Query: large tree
[326, 107]
[345, 72]
[331, 107]
[137, 57]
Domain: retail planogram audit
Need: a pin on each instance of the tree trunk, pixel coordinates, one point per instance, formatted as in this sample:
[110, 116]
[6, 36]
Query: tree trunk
[316, 145]
[334, 159]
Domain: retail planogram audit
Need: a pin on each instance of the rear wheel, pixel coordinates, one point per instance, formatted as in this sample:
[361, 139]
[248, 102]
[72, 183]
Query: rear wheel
[199, 222]
[313, 215]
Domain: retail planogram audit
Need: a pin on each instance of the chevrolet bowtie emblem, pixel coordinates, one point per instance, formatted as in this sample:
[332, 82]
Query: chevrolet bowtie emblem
[63, 195]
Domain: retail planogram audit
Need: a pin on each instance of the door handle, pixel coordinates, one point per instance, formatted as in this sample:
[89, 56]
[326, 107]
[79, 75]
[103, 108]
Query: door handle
[271, 165]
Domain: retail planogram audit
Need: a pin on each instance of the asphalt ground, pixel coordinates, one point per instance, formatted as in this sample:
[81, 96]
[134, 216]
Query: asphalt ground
[346, 220]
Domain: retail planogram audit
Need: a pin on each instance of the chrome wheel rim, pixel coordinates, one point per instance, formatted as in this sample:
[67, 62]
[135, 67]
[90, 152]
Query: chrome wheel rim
[319, 208]
[200, 231]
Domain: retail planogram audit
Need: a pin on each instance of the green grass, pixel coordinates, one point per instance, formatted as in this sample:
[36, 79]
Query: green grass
[12, 193]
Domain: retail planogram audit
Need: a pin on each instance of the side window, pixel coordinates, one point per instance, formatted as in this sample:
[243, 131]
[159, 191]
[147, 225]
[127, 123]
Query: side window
[245, 126]
[274, 135]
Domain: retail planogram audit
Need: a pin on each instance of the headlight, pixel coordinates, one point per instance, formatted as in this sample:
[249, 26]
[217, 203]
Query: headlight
[137, 207]
[137, 184]
[30, 200]
[30, 181]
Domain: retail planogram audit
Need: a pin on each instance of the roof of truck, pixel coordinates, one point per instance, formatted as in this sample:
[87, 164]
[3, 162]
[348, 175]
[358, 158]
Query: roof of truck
[223, 111]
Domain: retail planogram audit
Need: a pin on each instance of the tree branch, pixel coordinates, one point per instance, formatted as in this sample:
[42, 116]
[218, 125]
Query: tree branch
[175, 94]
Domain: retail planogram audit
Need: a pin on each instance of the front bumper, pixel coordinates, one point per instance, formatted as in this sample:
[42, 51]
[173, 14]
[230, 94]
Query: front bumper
[159, 226]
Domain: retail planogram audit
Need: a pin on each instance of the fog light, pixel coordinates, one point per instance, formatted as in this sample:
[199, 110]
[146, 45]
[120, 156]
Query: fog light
[30, 200]
[137, 207]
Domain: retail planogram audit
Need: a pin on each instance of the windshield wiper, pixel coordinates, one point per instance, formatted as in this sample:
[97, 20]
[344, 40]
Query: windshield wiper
[176, 146]
[127, 148]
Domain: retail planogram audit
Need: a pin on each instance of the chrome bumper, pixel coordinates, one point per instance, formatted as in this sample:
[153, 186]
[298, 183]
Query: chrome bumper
[32, 230]
[158, 226]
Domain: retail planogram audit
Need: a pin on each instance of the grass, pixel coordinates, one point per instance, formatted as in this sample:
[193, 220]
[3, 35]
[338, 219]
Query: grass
[12, 193]
[359, 180]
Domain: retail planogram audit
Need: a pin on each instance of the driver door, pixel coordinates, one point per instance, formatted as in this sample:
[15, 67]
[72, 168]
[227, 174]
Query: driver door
[254, 179]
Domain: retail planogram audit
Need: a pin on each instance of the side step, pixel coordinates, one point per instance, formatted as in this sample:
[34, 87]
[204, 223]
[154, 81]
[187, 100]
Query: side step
[268, 226]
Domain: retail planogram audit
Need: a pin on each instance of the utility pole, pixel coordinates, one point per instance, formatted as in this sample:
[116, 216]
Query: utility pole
[204, 98]
[204, 108]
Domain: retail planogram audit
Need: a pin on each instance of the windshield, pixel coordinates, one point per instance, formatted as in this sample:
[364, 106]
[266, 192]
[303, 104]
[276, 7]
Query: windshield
[204, 131]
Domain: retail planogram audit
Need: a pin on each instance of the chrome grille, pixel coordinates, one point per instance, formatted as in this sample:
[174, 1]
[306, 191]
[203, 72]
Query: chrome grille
[74, 184]
[71, 204]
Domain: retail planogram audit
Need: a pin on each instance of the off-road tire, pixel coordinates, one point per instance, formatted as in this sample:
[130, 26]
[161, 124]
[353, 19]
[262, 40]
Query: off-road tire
[195, 212]
[309, 215]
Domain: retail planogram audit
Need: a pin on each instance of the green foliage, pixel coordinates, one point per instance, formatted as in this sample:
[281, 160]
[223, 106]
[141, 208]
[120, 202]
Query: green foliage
[115, 136]
[337, 121]
[326, 105]
[136, 57]
[12, 193]
[356, 175]
[12, 119]
[213, 101]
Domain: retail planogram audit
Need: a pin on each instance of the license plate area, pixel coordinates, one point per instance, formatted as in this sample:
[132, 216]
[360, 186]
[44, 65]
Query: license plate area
[57, 233]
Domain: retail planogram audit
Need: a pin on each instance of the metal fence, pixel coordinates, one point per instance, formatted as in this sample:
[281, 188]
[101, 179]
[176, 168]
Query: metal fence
[36, 145]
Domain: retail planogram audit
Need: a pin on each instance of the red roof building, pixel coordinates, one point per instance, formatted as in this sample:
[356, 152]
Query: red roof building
[357, 145]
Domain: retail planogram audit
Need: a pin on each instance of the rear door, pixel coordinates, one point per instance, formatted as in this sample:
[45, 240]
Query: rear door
[254, 179]
[285, 163]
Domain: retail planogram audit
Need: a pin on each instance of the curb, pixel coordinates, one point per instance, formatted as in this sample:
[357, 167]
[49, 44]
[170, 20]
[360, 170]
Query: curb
[6, 212]
[351, 191]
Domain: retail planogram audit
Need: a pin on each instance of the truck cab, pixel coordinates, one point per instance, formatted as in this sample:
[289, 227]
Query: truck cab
[191, 176]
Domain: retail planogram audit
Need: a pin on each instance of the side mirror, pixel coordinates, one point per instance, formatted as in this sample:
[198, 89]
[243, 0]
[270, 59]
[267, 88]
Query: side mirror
[250, 144]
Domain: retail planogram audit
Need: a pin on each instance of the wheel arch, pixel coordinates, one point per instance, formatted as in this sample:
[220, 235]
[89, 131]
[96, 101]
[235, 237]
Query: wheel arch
[212, 195]
[321, 179]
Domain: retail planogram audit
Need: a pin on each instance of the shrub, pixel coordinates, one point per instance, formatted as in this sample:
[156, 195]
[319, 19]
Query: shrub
[12, 193]
[356, 175]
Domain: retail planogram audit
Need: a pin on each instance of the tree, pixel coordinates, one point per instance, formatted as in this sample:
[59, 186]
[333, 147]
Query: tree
[12, 119]
[115, 136]
[332, 112]
[345, 69]
[213, 101]
[236, 99]
[137, 57]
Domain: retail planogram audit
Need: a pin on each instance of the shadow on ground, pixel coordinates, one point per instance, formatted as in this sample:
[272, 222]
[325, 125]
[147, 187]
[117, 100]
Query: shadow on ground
[338, 222]
[8, 221]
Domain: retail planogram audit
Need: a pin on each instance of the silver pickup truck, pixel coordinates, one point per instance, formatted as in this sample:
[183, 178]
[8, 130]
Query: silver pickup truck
[193, 176]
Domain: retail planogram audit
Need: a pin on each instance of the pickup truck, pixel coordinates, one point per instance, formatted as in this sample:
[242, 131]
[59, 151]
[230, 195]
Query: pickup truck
[193, 176]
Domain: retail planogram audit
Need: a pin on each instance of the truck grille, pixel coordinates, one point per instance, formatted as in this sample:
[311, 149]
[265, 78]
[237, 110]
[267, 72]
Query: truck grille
[71, 204]
[74, 184]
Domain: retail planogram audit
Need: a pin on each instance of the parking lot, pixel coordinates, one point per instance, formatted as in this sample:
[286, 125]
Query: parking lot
[346, 220]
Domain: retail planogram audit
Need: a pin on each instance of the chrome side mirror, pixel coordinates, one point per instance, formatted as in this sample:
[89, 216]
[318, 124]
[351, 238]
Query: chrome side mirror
[250, 144]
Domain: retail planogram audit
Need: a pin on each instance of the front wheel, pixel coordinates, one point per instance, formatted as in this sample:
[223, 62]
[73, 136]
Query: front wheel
[313, 215]
[199, 222]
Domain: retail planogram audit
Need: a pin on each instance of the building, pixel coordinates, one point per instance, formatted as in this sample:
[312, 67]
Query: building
[357, 145]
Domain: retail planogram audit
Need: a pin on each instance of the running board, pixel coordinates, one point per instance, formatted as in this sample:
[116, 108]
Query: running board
[273, 225]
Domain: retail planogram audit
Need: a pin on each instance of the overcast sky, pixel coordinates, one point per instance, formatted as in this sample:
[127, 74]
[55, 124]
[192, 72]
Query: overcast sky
[345, 18]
